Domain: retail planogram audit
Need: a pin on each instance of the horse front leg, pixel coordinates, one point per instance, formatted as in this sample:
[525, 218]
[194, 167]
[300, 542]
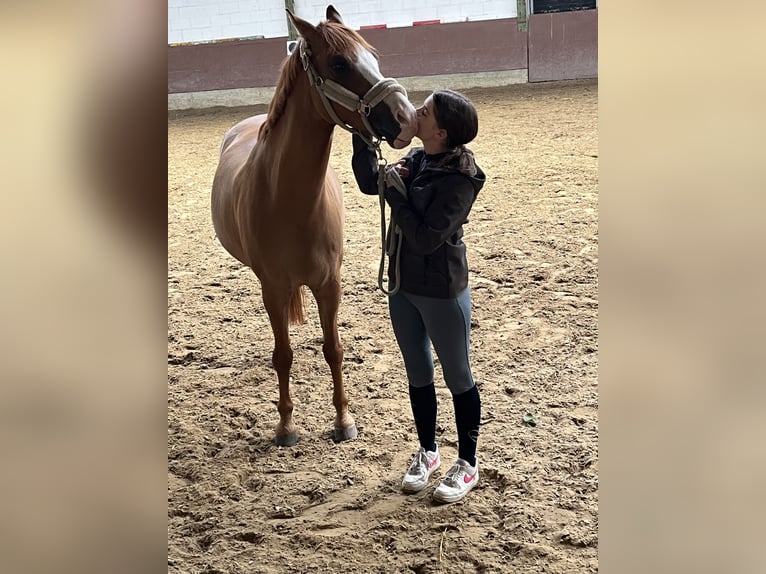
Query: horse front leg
[277, 303]
[328, 300]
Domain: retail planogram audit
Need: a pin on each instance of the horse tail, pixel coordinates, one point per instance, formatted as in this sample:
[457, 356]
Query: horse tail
[295, 313]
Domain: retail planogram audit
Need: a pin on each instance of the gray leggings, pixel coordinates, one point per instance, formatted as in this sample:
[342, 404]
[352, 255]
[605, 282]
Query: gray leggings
[447, 323]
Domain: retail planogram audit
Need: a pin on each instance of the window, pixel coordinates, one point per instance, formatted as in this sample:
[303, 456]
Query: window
[548, 6]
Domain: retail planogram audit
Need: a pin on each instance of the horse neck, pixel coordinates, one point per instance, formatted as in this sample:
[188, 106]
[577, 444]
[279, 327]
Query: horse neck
[297, 150]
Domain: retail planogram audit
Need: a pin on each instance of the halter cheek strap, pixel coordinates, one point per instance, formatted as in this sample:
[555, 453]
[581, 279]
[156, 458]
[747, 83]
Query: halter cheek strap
[331, 90]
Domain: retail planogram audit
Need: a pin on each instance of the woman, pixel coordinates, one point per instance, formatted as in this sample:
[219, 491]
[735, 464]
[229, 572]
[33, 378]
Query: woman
[433, 304]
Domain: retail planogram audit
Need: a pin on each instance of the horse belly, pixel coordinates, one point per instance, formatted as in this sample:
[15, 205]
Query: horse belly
[237, 145]
[286, 256]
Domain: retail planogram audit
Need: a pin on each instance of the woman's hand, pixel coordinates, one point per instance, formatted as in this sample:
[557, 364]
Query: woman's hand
[401, 168]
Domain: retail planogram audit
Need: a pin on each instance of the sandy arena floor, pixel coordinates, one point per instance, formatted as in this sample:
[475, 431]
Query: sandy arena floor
[239, 504]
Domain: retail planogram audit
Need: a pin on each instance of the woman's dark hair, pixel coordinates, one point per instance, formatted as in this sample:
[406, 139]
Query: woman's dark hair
[456, 114]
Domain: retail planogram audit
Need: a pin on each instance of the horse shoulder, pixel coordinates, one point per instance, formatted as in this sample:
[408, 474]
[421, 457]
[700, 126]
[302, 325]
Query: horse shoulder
[333, 191]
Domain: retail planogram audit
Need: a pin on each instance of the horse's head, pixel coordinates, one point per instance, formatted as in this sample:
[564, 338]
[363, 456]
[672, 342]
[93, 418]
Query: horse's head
[350, 90]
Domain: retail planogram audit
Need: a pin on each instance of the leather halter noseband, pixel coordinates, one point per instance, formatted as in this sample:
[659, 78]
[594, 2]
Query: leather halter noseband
[332, 90]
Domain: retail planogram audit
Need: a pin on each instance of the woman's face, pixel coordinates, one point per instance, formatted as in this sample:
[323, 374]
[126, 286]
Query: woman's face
[427, 126]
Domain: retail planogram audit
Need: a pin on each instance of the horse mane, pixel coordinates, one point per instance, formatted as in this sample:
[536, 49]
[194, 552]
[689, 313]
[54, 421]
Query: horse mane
[287, 76]
[340, 40]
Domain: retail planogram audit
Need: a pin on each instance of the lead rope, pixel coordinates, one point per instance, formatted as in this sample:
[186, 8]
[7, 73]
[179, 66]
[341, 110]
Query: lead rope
[391, 238]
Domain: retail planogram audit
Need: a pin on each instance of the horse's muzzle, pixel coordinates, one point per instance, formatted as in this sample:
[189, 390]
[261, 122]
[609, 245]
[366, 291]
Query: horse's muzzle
[403, 124]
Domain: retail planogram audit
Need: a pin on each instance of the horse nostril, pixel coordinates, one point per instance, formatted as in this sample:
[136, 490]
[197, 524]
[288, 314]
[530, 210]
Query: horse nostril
[402, 117]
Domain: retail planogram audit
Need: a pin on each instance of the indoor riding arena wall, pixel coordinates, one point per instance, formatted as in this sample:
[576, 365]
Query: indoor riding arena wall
[434, 45]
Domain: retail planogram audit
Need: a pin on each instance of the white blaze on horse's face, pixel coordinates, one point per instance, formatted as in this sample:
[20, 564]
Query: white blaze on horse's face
[402, 111]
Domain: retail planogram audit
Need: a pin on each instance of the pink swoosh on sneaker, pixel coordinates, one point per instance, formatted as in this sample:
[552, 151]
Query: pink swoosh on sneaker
[467, 478]
[431, 463]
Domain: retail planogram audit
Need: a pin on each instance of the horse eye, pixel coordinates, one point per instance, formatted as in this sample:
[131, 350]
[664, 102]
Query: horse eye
[339, 65]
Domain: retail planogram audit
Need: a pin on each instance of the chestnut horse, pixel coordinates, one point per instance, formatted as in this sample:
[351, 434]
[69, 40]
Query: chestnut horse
[278, 207]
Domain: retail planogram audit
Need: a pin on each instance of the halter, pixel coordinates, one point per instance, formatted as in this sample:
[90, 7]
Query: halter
[332, 90]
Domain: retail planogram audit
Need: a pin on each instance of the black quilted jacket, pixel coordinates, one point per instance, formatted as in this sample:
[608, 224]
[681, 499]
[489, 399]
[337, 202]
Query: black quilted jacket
[431, 217]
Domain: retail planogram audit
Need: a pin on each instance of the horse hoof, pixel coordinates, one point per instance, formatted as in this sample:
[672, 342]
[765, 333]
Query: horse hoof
[345, 433]
[289, 439]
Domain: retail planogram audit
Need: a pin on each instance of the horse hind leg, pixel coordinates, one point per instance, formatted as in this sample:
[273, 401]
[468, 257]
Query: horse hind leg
[328, 299]
[277, 305]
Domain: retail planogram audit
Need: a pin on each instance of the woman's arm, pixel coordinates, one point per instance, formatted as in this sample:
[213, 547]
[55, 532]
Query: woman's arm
[364, 162]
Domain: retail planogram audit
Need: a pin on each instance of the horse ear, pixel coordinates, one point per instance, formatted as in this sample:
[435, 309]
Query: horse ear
[333, 15]
[304, 28]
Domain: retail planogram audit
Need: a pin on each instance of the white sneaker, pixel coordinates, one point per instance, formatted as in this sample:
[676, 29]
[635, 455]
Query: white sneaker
[458, 482]
[423, 464]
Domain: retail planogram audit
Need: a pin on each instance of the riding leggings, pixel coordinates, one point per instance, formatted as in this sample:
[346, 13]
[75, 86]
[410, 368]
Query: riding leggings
[419, 321]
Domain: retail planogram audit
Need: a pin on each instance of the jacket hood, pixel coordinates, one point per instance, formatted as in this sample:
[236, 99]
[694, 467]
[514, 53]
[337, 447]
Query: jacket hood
[453, 164]
[477, 180]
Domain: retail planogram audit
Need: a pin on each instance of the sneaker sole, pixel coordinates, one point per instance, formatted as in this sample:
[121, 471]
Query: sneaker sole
[448, 498]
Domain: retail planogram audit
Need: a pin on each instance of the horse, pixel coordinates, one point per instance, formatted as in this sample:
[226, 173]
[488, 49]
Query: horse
[277, 206]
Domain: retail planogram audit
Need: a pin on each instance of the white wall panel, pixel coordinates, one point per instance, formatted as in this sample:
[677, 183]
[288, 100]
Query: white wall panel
[209, 20]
